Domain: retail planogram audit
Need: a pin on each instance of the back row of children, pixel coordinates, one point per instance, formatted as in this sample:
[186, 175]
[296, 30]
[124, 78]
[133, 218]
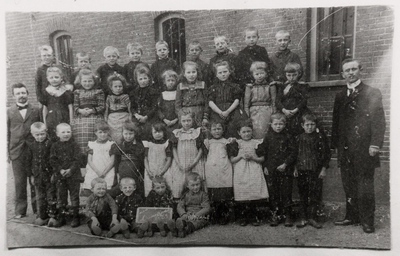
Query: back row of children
[138, 99]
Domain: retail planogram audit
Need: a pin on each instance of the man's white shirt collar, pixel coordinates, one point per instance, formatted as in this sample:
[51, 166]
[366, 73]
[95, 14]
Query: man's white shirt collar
[354, 85]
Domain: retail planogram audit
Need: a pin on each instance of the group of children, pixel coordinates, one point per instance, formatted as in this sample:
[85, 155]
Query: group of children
[205, 140]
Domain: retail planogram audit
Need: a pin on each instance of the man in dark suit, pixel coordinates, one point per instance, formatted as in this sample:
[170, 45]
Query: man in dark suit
[20, 117]
[357, 132]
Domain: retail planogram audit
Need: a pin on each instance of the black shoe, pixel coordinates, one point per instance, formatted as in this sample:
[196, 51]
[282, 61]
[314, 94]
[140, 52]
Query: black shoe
[172, 228]
[243, 222]
[314, 223]
[180, 225]
[302, 223]
[288, 222]
[75, 222]
[368, 229]
[344, 222]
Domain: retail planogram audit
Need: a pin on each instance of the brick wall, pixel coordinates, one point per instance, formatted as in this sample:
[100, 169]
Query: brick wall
[92, 32]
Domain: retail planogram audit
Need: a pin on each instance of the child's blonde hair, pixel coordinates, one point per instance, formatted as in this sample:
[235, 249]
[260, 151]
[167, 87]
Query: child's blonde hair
[134, 46]
[258, 65]
[141, 69]
[62, 125]
[86, 72]
[116, 77]
[195, 44]
[251, 29]
[161, 42]
[224, 38]
[126, 180]
[169, 73]
[97, 181]
[278, 116]
[58, 70]
[38, 126]
[187, 64]
[186, 112]
[110, 49]
[282, 33]
[159, 180]
[81, 55]
[192, 176]
[46, 48]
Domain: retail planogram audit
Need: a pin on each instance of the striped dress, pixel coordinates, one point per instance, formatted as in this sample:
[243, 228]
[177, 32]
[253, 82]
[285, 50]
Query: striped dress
[248, 177]
[188, 144]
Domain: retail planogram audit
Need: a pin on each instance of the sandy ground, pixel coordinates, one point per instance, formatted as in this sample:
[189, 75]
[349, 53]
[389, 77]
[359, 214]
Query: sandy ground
[22, 233]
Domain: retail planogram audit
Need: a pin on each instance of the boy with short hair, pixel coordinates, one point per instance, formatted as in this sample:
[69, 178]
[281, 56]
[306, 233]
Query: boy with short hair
[102, 210]
[111, 55]
[40, 172]
[194, 52]
[65, 160]
[221, 44]
[251, 53]
[128, 202]
[135, 52]
[193, 208]
[47, 57]
[84, 62]
[162, 63]
[283, 56]
[280, 151]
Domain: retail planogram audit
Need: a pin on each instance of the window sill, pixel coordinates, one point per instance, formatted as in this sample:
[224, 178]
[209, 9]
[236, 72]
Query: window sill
[327, 83]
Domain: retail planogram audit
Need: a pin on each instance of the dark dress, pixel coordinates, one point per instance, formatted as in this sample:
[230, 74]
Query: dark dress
[58, 111]
[166, 109]
[223, 94]
[144, 102]
[130, 161]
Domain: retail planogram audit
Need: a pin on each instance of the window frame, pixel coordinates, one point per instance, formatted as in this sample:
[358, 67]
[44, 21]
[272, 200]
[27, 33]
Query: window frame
[314, 49]
[160, 32]
[54, 42]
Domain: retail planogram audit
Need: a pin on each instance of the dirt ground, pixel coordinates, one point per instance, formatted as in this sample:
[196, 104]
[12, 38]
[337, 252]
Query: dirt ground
[22, 233]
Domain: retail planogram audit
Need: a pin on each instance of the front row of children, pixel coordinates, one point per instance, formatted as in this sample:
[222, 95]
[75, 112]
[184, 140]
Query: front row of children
[247, 170]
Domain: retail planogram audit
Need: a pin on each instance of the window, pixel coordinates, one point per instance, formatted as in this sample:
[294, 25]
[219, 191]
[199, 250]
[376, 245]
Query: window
[332, 40]
[171, 28]
[61, 43]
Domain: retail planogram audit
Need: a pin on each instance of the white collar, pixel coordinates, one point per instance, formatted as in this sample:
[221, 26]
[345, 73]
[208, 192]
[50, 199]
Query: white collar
[22, 105]
[169, 95]
[354, 85]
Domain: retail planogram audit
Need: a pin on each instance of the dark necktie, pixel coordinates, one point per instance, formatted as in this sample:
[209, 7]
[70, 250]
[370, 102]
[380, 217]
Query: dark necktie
[350, 91]
[22, 107]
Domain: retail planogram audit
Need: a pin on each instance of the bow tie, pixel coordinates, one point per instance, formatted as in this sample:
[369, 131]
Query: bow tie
[22, 107]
